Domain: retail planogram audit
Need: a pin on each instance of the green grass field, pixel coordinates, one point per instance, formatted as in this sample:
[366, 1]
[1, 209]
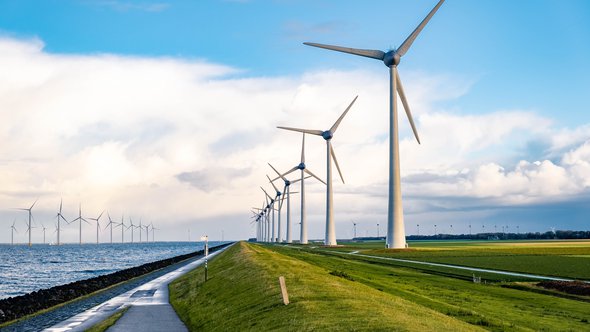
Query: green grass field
[338, 291]
[568, 259]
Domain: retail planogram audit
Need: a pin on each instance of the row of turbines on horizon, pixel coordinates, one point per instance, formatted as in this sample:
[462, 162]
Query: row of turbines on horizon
[396, 235]
[60, 218]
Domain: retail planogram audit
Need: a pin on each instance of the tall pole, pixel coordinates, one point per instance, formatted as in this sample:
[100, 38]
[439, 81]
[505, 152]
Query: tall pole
[396, 234]
[303, 235]
[30, 227]
[330, 239]
[289, 239]
[268, 235]
[273, 238]
[279, 237]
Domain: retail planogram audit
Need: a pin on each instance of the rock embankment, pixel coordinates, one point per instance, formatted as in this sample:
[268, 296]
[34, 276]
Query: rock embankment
[570, 287]
[19, 306]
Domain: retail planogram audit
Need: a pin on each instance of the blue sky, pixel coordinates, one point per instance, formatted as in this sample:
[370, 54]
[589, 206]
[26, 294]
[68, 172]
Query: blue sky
[492, 56]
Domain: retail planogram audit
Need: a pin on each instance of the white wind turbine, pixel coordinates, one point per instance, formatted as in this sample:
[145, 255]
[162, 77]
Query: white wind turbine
[286, 194]
[330, 238]
[303, 168]
[132, 227]
[44, 229]
[29, 225]
[396, 233]
[280, 201]
[110, 223]
[97, 219]
[13, 229]
[272, 233]
[80, 218]
[60, 217]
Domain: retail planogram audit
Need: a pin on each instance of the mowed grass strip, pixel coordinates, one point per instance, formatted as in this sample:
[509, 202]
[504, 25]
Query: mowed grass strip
[243, 293]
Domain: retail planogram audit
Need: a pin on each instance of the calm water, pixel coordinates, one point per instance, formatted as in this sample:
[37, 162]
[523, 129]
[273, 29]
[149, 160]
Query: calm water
[24, 269]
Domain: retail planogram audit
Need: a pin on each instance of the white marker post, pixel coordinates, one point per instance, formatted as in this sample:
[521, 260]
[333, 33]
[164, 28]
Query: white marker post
[206, 239]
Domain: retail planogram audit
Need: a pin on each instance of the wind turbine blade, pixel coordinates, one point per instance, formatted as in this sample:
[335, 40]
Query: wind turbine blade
[307, 131]
[336, 161]
[267, 195]
[337, 123]
[408, 42]
[100, 215]
[33, 204]
[402, 96]
[279, 174]
[303, 149]
[310, 173]
[299, 179]
[290, 171]
[375, 54]
[273, 184]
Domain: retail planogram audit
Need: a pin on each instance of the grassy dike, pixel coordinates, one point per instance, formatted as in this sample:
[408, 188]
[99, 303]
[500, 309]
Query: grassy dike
[243, 293]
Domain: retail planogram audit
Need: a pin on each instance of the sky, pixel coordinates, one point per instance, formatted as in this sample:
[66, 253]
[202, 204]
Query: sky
[166, 112]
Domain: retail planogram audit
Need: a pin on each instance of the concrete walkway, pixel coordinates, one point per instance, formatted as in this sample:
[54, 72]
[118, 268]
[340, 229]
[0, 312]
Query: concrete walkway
[150, 309]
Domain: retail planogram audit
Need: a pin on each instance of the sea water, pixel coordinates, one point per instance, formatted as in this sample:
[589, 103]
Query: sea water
[26, 269]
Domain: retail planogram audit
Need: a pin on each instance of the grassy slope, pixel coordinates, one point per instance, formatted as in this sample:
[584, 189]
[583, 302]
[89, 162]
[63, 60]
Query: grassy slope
[105, 324]
[243, 294]
[493, 306]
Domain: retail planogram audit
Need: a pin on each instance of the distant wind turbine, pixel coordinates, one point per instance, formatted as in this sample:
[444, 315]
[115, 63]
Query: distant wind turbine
[330, 236]
[80, 218]
[396, 233]
[303, 168]
[97, 219]
[110, 223]
[29, 224]
[44, 229]
[13, 229]
[272, 234]
[60, 217]
[286, 194]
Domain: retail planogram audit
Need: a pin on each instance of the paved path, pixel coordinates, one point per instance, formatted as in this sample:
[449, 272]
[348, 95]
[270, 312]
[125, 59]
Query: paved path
[150, 308]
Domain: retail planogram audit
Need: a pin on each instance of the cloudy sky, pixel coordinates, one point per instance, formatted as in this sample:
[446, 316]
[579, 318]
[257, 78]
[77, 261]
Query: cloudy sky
[167, 111]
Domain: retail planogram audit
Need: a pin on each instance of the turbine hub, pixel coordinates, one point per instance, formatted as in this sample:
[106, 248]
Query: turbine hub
[327, 135]
[301, 166]
[287, 183]
[279, 193]
[391, 58]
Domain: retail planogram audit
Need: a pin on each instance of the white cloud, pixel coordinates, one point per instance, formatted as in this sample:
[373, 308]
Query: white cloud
[180, 142]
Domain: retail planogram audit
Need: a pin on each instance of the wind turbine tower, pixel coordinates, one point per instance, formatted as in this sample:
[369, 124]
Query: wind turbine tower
[13, 229]
[80, 219]
[396, 233]
[330, 238]
[97, 219]
[60, 217]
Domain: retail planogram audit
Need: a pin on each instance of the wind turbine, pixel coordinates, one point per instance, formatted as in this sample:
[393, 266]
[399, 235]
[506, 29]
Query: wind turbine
[286, 194]
[354, 228]
[44, 229]
[330, 238]
[80, 219]
[147, 233]
[303, 168]
[60, 217]
[13, 229]
[280, 200]
[97, 219]
[132, 227]
[396, 233]
[110, 223]
[29, 226]
[272, 234]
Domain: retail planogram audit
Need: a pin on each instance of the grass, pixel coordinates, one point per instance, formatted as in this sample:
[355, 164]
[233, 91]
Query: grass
[562, 258]
[105, 324]
[495, 306]
[243, 293]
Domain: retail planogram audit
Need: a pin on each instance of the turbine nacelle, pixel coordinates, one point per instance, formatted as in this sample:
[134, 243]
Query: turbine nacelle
[327, 135]
[287, 183]
[391, 58]
[301, 166]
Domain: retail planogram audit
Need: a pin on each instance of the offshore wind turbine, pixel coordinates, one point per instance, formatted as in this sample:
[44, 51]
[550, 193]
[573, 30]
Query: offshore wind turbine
[29, 226]
[97, 219]
[44, 229]
[303, 168]
[13, 229]
[396, 233]
[60, 217]
[80, 219]
[327, 135]
[132, 227]
[110, 223]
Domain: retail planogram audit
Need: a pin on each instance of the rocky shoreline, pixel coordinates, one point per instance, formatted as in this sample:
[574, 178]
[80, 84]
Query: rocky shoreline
[13, 308]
